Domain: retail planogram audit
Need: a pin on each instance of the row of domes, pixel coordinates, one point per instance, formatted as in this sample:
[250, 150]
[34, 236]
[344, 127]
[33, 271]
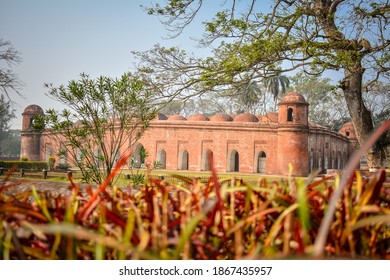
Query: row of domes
[244, 117]
[292, 97]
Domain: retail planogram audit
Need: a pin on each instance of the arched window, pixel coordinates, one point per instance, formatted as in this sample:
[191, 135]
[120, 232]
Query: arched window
[290, 114]
[139, 155]
[79, 155]
[48, 151]
[261, 162]
[333, 160]
[63, 154]
[32, 122]
[206, 160]
[162, 158]
[339, 160]
[233, 162]
[183, 160]
[311, 160]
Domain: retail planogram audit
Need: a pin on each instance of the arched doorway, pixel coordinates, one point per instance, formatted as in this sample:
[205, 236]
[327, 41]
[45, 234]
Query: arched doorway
[262, 162]
[183, 160]
[138, 158]
[233, 162]
[162, 158]
[206, 166]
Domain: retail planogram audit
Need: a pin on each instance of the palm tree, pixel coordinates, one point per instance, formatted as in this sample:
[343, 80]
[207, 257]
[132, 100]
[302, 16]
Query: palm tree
[276, 84]
[249, 96]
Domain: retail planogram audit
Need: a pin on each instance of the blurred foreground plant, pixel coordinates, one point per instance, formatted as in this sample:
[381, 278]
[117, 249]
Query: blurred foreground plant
[220, 219]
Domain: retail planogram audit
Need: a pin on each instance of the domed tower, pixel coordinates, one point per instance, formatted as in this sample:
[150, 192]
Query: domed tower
[348, 130]
[30, 139]
[293, 135]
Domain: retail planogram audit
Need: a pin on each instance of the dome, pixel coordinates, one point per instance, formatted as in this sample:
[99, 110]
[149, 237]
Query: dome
[293, 97]
[348, 130]
[316, 125]
[176, 118]
[198, 118]
[33, 110]
[221, 118]
[160, 117]
[273, 117]
[246, 117]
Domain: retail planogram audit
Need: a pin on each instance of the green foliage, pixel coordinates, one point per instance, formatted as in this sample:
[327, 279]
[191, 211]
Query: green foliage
[6, 115]
[10, 144]
[62, 167]
[51, 162]
[143, 154]
[276, 85]
[27, 165]
[137, 179]
[104, 115]
[327, 105]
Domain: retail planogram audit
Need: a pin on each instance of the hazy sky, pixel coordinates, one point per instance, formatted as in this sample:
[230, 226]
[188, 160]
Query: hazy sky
[58, 40]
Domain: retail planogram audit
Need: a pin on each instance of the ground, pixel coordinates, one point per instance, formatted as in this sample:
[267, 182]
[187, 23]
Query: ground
[23, 185]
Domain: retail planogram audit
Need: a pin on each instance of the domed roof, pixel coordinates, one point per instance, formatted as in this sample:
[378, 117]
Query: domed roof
[273, 117]
[198, 118]
[221, 118]
[316, 125]
[33, 110]
[176, 118]
[160, 117]
[348, 130]
[245, 117]
[293, 97]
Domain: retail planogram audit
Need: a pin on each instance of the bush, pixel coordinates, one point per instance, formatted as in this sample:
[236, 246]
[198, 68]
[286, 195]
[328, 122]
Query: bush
[62, 167]
[52, 161]
[27, 165]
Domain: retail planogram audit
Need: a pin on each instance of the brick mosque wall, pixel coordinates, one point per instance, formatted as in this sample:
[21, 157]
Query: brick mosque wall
[242, 143]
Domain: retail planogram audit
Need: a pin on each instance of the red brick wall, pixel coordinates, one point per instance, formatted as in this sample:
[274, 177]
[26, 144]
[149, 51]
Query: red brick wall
[278, 140]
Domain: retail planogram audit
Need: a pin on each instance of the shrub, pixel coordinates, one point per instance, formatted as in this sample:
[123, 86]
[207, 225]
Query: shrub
[27, 165]
[52, 161]
[62, 167]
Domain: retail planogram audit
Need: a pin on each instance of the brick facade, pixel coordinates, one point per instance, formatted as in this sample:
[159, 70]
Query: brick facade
[241, 143]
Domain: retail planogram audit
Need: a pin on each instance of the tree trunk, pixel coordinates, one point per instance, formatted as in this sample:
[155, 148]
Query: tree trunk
[361, 116]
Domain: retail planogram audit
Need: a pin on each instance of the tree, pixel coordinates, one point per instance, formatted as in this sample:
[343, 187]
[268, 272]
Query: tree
[276, 84]
[327, 105]
[8, 80]
[248, 97]
[105, 118]
[346, 36]
[377, 98]
[6, 115]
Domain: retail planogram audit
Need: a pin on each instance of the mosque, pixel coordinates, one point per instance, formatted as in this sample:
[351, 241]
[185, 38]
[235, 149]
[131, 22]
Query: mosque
[245, 143]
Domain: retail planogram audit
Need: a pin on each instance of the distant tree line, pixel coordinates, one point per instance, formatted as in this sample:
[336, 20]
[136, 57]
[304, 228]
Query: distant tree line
[9, 138]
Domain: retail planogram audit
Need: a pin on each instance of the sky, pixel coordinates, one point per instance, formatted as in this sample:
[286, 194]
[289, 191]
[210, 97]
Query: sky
[58, 40]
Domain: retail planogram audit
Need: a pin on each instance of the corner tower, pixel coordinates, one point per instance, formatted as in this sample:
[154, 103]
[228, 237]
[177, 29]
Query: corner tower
[30, 139]
[293, 135]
